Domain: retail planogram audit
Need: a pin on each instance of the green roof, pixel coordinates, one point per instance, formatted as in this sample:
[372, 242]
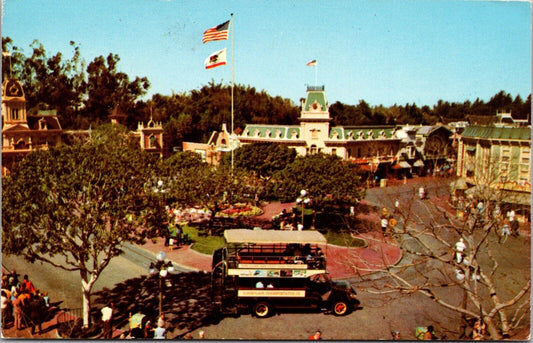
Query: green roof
[315, 96]
[271, 131]
[502, 133]
[346, 133]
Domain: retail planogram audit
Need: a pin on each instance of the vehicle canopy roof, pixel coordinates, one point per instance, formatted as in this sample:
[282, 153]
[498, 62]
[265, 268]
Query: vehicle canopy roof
[236, 236]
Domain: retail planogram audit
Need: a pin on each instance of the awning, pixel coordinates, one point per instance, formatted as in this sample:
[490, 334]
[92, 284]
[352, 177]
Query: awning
[273, 236]
[418, 163]
[404, 164]
[459, 184]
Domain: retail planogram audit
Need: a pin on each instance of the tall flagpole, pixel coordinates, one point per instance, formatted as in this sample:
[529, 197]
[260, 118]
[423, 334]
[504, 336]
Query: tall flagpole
[232, 86]
[316, 68]
[316, 79]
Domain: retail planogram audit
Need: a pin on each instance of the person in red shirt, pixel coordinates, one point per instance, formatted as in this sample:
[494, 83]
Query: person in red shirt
[27, 285]
[317, 336]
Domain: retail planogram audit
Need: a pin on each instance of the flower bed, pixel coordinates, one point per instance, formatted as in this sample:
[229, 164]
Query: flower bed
[238, 210]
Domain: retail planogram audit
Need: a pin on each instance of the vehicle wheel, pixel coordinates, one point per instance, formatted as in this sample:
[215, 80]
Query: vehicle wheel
[262, 309]
[340, 308]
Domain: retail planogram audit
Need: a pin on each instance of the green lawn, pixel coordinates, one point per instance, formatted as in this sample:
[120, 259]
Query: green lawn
[203, 244]
[344, 239]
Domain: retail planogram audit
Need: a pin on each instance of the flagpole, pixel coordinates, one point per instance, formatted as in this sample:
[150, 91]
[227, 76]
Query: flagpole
[232, 86]
[316, 67]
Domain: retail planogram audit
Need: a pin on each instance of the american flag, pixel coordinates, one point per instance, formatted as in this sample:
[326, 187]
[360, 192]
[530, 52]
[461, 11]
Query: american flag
[219, 32]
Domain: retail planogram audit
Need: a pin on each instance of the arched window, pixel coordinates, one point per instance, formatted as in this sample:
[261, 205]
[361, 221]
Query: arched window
[152, 141]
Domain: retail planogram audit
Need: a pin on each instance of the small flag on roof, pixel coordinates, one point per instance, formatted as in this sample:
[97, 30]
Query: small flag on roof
[216, 59]
[311, 63]
[219, 32]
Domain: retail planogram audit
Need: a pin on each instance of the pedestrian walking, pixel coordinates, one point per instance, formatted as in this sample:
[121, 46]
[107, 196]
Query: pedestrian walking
[515, 225]
[36, 308]
[460, 247]
[17, 311]
[384, 225]
[422, 193]
[504, 234]
[107, 315]
[397, 205]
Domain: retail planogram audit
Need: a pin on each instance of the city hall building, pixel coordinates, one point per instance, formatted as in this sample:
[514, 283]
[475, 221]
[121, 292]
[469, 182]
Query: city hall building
[382, 150]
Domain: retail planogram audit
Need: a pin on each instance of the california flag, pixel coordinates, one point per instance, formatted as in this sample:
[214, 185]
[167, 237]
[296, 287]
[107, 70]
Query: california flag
[216, 59]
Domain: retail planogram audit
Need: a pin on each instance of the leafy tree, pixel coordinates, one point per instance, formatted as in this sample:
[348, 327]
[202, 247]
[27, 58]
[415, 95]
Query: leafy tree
[264, 159]
[107, 87]
[191, 182]
[81, 203]
[325, 177]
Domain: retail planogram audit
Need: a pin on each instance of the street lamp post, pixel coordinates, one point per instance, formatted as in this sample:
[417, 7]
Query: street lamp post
[303, 199]
[162, 269]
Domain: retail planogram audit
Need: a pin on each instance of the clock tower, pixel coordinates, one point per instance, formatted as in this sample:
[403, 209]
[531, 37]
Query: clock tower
[13, 104]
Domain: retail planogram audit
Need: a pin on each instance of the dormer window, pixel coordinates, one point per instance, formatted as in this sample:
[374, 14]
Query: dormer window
[152, 141]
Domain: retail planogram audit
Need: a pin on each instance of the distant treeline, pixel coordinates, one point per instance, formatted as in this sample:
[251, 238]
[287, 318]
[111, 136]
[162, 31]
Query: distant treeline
[85, 94]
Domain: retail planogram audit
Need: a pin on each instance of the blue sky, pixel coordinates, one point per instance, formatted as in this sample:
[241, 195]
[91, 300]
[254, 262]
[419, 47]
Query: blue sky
[380, 51]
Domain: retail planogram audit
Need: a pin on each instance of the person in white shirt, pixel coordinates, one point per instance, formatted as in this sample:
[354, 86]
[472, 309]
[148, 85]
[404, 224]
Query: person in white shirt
[460, 247]
[107, 314]
[160, 333]
[384, 224]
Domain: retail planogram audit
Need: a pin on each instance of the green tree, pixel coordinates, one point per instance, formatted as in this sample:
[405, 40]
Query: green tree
[107, 87]
[325, 177]
[264, 159]
[80, 203]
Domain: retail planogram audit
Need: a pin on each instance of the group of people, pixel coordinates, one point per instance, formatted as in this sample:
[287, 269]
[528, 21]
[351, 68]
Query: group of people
[288, 221]
[141, 327]
[23, 304]
[387, 221]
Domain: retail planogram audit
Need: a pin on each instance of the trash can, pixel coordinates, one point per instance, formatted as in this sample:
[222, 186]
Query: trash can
[383, 183]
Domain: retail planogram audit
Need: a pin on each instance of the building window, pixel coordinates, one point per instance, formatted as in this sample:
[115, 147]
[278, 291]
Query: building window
[152, 141]
[15, 114]
[334, 151]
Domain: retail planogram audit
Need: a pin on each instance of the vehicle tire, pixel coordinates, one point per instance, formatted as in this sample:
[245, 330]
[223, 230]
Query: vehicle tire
[262, 309]
[340, 308]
